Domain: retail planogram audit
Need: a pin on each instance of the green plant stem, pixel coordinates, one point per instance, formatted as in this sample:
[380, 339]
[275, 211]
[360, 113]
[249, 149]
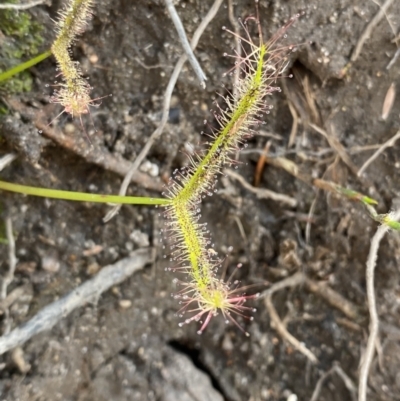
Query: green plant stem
[24, 66]
[81, 196]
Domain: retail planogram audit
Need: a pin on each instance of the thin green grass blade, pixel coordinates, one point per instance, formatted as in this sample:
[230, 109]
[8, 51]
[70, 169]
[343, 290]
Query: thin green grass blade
[81, 196]
[24, 66]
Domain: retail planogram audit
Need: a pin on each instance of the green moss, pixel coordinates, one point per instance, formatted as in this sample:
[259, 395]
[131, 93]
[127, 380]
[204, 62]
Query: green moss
[20, 39]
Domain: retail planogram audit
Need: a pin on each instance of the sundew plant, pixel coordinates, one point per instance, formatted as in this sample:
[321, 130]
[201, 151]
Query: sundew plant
[74, 92]
[204, 294]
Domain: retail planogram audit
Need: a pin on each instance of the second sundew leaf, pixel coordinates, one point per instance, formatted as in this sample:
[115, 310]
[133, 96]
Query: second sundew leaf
[191, 248]
[74, 92]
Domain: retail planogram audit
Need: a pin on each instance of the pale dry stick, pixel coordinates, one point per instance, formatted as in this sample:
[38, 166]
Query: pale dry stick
[167, 100]
[333, 298]
[309, 219]
[148, 67]
[81, 147]
[185, 43]
[25, 6]
[310, 100]
[6, 160]
[345, 378]
[393, 60]
[392, 26]
[366, 359]
[385, 145]
[292, 281]
[389, 101]
[283, 332]
[13, 296]
[299, 278]
[96, 155]
[368, 30]
[347, 381]
[262, 193]
[295, 124]
[90, 291]
[12, 259]
[320, 383]
[9, 277]
[353, 150]
[328, 294]
[339, 148]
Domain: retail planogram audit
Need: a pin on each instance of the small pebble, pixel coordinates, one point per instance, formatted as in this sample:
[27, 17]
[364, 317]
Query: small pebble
[125, 303]
[50, 264]
[139, 238]
[150, 168]
[92, 269]
[17, 357]
[69, 128]
[94, 58]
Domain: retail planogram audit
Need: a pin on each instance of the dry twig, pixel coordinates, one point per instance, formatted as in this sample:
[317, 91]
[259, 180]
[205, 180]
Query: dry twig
[261, 164]
[389, 101]
[88, 292]
[339, 148]
[24, 6]
[277, 324]
[12, 259]
[6, 160]
[394, 59]
[295, 124]
[385, 145]
[373, 313]
[261, 192]
[99, 156]
[185, 43]
[333, 298]
[13, 296]
[80, 146]
[292, 281]
[367, 32]
[9, 277]
[346, 380]
[321, 289]
[167, 100]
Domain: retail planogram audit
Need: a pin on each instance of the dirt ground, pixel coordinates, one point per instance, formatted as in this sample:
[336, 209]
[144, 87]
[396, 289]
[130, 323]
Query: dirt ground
[128, 345]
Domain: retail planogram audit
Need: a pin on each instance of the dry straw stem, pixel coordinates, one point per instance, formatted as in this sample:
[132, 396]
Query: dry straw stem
[24, 6]
[90, 291]
[321, 289]
[367, 34]
[328, 294]
[385, 145]
[262, 193]
[277, 324]
[337, 146]
[6, 160]
[366, 359]
[12, 259]
[166, 105]
[78, 145]
[185, 43]
[388, 102]
[345, 378]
